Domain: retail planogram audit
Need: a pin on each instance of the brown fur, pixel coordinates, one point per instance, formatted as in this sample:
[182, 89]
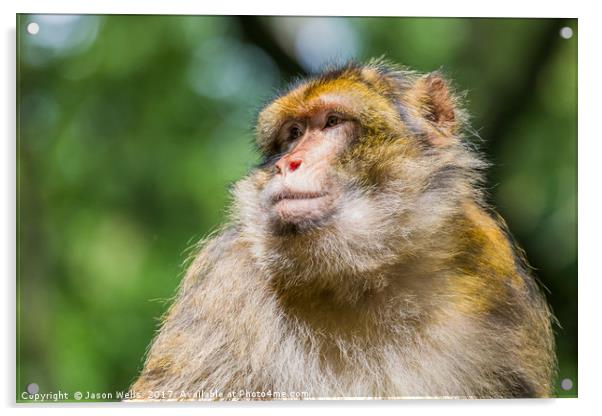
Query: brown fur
[412, 288]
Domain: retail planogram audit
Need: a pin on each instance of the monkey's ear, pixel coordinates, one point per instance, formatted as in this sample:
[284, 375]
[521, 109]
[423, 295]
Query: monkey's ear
[431, 100]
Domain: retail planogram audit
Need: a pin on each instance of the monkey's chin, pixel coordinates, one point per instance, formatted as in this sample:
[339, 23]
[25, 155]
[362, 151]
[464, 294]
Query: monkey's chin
[301, 214]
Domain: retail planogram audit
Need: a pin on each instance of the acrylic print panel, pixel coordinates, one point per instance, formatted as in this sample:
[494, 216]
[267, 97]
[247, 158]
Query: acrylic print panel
[392, 224]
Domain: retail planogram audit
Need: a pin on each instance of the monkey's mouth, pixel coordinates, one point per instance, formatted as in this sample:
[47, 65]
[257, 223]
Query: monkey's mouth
[297, 196]
[300, 207]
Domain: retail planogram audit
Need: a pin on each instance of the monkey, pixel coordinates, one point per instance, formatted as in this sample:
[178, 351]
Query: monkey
[360, 259]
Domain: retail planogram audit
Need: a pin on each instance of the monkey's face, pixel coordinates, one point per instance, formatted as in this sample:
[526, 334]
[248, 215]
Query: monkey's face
[308, 180]
[305, 187]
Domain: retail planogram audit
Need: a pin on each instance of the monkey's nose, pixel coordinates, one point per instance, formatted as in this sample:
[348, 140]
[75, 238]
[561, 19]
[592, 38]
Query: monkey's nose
[288, 165]
[294, 164]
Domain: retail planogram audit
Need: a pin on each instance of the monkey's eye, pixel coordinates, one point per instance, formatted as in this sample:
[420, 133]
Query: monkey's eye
[332, 120]
[295, 132]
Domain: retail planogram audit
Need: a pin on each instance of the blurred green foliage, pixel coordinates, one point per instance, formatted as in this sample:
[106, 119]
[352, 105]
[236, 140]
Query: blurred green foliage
[132, 128]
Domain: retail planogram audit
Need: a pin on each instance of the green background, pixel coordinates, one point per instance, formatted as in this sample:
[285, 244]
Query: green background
[132, 128]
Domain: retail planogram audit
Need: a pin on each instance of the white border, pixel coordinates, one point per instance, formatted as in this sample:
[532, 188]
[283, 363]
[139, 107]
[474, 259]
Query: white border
[508, 8]
[590, 154]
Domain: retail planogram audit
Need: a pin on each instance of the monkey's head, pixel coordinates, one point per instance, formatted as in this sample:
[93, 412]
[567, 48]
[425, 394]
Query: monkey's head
[361, 163]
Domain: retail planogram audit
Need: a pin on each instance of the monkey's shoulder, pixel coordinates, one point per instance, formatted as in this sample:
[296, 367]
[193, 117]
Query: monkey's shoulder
[213, 249]
[222, 259]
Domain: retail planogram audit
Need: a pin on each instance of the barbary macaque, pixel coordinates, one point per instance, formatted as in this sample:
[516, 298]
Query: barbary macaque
[360, 260]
